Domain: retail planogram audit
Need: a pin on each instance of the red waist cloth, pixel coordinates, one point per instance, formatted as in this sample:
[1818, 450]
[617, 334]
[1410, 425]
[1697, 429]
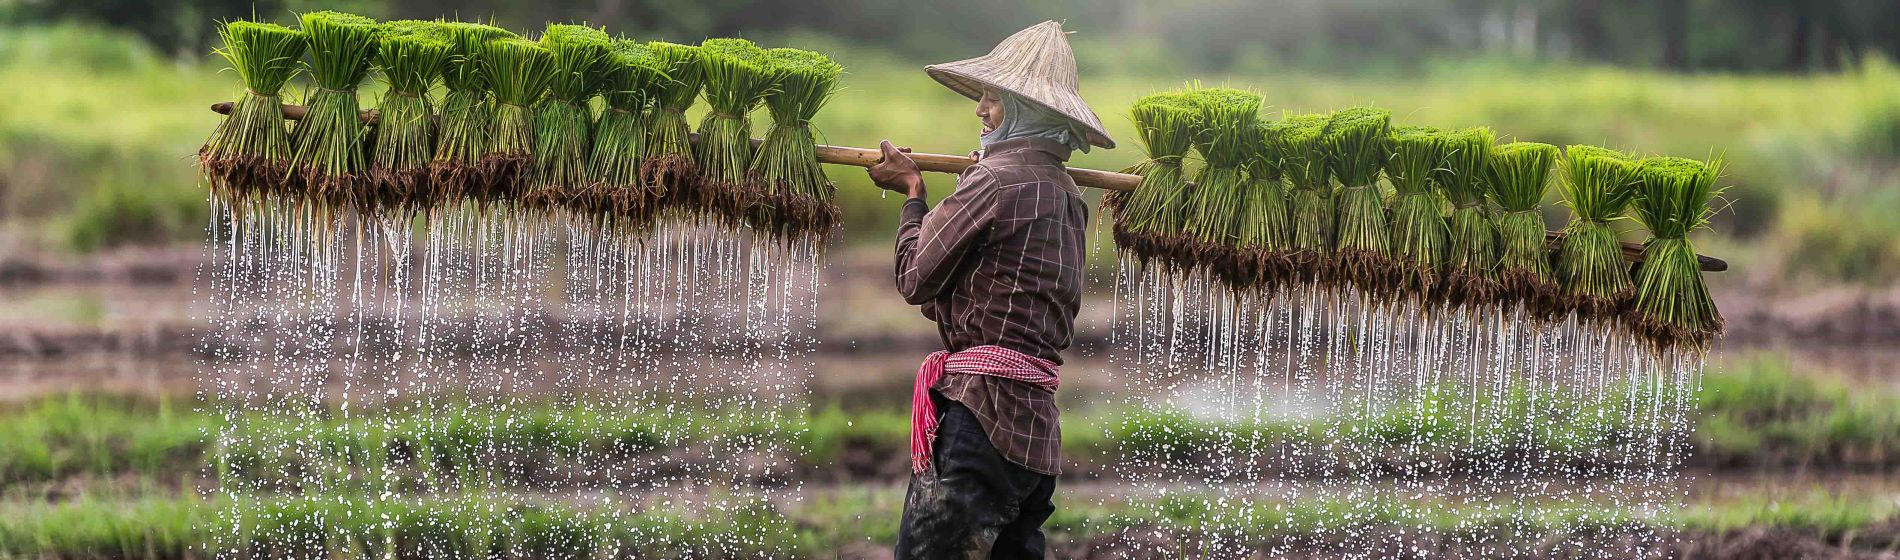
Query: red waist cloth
[995, 361]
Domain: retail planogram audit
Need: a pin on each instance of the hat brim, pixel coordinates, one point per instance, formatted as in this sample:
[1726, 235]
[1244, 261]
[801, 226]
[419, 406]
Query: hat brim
[1070, 106]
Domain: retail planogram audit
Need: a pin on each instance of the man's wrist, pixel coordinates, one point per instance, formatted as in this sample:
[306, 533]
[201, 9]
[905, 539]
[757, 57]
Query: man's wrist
[916, 189]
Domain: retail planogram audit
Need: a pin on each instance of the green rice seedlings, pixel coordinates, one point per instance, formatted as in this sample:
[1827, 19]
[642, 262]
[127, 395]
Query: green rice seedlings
[1597, 187]
[1266, 235]
[1226, 135]
[1519, 173]
[1355, 144]
[620, 139]
[1672, 307]
[1471, 260]
[795, 196]
[467, 123]
[669, 169]
[327, 157]
[1148, 217]
[411, 56]
[518, 72]
[1309, 200]
[247, 155]
[562, 138]
[1417, 228]
[737, 79]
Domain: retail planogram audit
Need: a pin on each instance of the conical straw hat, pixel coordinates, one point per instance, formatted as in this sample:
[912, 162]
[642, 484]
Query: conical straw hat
[1035, 63]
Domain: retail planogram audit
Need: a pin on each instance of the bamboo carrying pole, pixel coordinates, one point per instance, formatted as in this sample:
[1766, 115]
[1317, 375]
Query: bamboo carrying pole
[941, 163]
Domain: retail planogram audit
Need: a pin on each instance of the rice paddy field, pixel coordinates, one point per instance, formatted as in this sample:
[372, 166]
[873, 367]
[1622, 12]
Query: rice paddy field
[105, 431]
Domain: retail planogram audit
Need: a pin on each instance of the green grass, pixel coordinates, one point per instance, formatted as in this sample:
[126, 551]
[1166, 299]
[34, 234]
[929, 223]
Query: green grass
[359, 527]
[1757, 414]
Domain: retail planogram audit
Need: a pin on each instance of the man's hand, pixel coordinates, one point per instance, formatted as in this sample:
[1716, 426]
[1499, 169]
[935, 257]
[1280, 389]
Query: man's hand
[896, 172]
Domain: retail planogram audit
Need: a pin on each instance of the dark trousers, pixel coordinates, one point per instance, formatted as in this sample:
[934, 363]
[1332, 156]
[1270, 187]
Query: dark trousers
[973, 503]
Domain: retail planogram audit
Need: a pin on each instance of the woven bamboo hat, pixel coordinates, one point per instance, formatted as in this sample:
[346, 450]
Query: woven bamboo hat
[1035, 63]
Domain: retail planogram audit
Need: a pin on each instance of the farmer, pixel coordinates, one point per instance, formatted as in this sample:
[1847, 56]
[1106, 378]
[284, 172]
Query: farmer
[998, 266]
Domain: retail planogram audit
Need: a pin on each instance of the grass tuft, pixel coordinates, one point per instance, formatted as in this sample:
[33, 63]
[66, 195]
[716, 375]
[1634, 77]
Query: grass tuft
[1518, 174]
[1226, 135]
[1303, 162]
[1471, 262]
[1417, 228]
[1354, 141]
[669, 168]
[248, 154]
[411, 56]
[795, 197]
[1672, 306]
[738, 78]
[619, 145]
[467, 125]
[327, 157]
[562, 139]
[518, 73]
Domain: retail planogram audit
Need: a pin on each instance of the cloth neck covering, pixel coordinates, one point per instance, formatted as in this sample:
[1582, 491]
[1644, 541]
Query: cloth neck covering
[1025, 119]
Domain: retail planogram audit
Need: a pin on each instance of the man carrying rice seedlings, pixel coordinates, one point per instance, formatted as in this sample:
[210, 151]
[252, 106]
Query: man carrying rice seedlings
[998, 266]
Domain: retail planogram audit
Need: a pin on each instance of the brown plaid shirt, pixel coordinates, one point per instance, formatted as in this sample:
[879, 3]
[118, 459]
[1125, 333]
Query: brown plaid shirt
[1000, 262]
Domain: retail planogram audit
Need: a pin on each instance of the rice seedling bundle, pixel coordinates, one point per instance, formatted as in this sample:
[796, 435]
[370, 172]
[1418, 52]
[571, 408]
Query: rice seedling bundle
[1471, 260]
[669, 168]
[1266, 236]
[1417, 228]
[327, 145]
[1672, 306]
[1519, 173]
[466, 128]
[795, 197]
[562, 138]
[1355, 143]
[518, 73]
[738, 78]
[1309, 209]
[1597, 187]
[247, 155]
[1226, 135]
[620, 138]
[411, 56]
[1148, 219]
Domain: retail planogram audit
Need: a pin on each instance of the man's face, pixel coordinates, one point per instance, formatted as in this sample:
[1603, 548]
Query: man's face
[990, 109]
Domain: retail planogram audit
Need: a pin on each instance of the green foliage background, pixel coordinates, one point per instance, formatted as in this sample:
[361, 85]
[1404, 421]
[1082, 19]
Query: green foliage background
[99, 121]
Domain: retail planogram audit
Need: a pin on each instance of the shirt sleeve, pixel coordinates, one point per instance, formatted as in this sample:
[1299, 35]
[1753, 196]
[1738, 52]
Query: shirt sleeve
[930, 243]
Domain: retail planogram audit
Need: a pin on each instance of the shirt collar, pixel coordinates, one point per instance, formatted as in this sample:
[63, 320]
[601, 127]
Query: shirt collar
[1055, 149]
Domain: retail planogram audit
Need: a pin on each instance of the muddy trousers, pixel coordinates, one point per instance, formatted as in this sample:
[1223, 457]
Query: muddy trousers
[973, 503]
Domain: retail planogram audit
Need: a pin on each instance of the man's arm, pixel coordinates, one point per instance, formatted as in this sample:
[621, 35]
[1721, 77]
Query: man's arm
[930, 243]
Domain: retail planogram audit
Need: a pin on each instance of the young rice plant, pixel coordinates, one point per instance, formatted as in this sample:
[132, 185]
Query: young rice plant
[1418, 215]
[1355, 143]
[467, 125]
[327, 145]
[411, 56]
[1597, 187]
[1519, 173]
[795, 197]
[738, 78]
[247, 155]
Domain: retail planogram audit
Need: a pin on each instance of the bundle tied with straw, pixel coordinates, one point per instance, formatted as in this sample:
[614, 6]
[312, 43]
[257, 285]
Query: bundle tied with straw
[1417, 226]
[1597, 187]
[1297, 140]
[247, 155]
[1673, 307]
[668, 170]
[562, 139]
[795, 198]
[1519, 173]
[327, 157]
[1470, 277]
[1226, 135]
[1148, 220]
[738, 78]
[1355, 144]
[619, 142]
[411, 56]
[518, 72]
[1266, 236]
[466, 127]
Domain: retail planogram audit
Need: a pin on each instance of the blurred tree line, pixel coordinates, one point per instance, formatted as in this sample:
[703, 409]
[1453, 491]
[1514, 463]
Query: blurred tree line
[1738, 35]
